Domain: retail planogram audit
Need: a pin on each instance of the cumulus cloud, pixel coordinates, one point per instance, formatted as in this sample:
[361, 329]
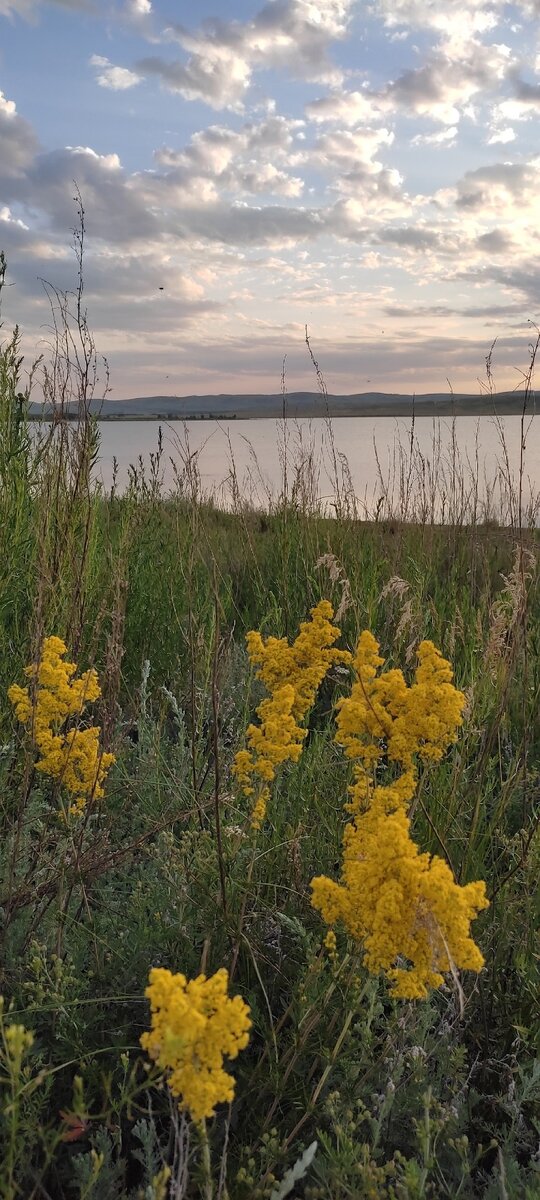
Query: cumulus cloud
[266, 218]
[442, 87]
[18, 144]
[345, 108]
[218, 160]
[503, 188]
[115, 212]
[456, 22]
[223, 55]
[118, 79]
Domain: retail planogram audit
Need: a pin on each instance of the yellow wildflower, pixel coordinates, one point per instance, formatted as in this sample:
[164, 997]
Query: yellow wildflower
[383, 718]
[194, 1026]
[18, 1040]
[292, 675]
[74, 758]
[330, 942]
[401, 904]
[258, 812]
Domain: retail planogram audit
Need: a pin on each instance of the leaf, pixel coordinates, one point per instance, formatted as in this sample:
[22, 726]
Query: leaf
[295, 1174]
[293, 926]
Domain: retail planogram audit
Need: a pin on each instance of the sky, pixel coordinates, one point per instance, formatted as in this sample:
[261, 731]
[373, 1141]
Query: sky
[370, 170]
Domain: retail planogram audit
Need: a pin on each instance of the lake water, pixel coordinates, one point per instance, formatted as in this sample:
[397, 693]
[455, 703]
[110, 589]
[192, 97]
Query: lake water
[461, 469]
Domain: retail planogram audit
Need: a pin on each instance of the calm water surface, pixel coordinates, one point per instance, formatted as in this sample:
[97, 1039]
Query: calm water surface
[471, 463]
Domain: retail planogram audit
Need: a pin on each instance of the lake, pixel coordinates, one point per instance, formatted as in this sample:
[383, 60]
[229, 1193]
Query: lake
[462, 469]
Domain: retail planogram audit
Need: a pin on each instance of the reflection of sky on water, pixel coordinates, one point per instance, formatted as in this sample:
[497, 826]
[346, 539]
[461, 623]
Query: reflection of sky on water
[453, 466]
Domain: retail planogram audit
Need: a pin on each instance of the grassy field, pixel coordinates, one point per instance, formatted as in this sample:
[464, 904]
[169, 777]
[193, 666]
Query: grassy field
[342, 1091]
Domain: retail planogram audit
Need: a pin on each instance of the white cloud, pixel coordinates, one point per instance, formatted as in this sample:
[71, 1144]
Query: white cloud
[506, 189]
[138, 8]
[345, 108]
[221, 223]
[442, 87]
[7, 217]
[502, 136]
[445, 137]
[8, 108]
[218, 160]
[118, 79]
[223, 55]
[109, 162]
[18, 144]
[457, 22]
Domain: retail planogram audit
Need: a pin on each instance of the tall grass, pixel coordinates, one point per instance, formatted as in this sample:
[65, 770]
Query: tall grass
[432, 1099]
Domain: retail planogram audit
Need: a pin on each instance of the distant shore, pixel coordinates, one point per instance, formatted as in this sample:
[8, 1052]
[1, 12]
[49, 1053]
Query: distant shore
[297, 406]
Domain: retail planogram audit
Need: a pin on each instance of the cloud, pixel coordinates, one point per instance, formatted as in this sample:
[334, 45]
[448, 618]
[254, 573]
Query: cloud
[313, 213]
[118, 79]
[223, 55]
[345, 108]
[18, 144]
[138, 8]
[27, 8]
[219, 77]
[441, 88]
[8, 219]
[457, 22]
[495, 241]
[503, 188]
[502, 136]
[445, 137]
[115, 211]
[348, 160]
[243, 225]
[218, 160]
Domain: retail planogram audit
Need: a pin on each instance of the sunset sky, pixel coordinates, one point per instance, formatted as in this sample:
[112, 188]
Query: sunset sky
[371, 170]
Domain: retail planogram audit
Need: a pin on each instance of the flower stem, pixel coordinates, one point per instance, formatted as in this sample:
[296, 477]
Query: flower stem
[208, 1187]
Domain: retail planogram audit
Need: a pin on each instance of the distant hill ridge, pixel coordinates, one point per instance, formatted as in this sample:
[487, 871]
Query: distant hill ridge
[299, 404]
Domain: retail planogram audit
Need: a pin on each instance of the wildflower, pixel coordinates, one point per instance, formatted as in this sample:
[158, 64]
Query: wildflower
[383, 717]
[194, 1026]
[330, 943]
[292, 675]
[15, 1041]
[401, 904]
[75, 757]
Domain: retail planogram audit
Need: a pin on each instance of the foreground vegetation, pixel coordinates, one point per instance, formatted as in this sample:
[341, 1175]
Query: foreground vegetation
[342, 1089]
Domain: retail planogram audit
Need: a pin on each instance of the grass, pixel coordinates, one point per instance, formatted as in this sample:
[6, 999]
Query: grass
[429, 1099]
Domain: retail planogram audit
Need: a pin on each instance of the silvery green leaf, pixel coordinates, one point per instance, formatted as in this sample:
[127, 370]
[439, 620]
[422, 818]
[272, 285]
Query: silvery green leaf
[295, 1174]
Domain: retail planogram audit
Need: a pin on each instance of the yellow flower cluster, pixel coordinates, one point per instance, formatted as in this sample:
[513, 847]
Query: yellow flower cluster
[385, 717]
[18, 1040]
[292, 675]
[75, 757]
[398, 902]
[194, 1025]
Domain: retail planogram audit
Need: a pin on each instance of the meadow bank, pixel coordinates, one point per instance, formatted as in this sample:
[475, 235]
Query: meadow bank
[341, 1088]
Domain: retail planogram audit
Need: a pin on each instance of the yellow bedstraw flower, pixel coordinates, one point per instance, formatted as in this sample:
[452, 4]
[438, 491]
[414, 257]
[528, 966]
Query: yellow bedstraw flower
[292, 675]
[74, 758]
[194, 1026]
[383, 717]
[399, 903]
